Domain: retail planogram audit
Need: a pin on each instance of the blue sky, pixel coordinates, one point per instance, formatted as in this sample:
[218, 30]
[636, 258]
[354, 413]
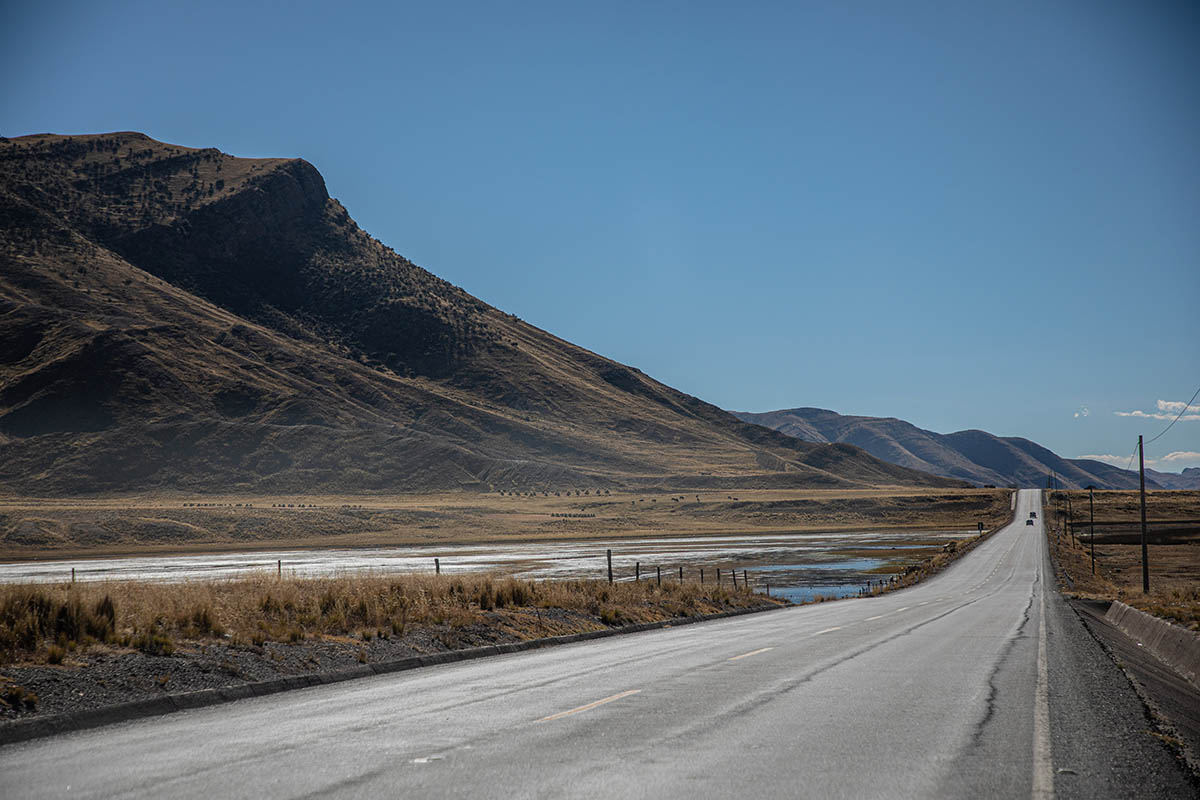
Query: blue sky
[966, 215]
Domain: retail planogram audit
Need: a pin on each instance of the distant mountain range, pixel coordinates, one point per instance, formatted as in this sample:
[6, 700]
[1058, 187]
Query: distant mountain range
[974, 456]
[179, 319]
[1188, 479]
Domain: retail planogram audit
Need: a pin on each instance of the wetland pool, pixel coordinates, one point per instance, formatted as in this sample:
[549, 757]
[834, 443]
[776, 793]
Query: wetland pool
[797, 566]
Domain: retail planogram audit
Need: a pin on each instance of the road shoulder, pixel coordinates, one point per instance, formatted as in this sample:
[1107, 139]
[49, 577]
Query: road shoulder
[1106, 741]
[1174, 702]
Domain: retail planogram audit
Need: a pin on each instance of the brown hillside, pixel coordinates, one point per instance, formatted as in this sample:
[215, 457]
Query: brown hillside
[174, 318]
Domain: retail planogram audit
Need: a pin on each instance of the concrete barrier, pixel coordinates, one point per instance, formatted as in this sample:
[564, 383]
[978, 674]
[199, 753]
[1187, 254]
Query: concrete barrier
[1177, 647]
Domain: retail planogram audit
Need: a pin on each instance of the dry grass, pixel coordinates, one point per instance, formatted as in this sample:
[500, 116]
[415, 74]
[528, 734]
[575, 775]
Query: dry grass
[45, 623]
[1118, 506]
[67, 527]
[1174, 567]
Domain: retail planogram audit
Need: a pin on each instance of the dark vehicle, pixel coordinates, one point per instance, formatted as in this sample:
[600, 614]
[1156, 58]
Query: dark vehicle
[1033, 515]
[1028, 522]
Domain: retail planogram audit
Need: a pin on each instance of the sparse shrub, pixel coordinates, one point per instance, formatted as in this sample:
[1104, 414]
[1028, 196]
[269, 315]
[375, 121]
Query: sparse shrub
[18, 697]
[154, 618]
[154, 643]
[486, 597]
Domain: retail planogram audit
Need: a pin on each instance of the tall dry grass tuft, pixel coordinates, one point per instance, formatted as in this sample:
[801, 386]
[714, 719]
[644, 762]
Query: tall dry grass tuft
[31, 617]
[157, 617]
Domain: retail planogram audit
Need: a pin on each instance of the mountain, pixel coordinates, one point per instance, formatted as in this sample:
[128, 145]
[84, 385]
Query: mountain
[974, 456]
[179, 319]
[1188, 479]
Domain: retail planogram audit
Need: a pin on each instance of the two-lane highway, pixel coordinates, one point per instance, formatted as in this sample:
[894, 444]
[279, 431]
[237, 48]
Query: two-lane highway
[978, 682]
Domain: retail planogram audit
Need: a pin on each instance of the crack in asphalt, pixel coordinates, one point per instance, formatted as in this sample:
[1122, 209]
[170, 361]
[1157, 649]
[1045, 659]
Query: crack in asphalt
[990, 710]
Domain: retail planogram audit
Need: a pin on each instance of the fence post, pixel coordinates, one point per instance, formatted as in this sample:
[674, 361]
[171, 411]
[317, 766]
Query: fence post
[659, 571]
[702, 575]
[437, 567]
[681, 574]
[610, 580]
[279, 569]
[72, 574]
[637, 570]
[733, 574]
[745, 580]
[718, 576]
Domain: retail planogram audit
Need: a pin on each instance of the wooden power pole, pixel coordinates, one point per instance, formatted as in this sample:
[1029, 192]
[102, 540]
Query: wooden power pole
[1145, 561]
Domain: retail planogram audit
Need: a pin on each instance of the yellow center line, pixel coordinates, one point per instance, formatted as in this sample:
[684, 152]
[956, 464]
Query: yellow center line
[881, 616]
[588, 707]
[752, 653]
[828, 630]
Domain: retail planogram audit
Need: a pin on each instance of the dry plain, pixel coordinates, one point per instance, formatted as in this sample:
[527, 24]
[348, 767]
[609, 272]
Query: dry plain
[32, 528]
[1173, 545]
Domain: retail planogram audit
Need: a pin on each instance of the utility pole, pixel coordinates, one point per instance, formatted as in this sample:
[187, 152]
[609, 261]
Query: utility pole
[1057, 503]
[1142, 480]
[1071, 520]
[1092, 527]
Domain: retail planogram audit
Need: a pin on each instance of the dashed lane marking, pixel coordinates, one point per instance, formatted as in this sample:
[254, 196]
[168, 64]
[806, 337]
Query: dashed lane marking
[752, 653]
[588, 707]
[828, 630]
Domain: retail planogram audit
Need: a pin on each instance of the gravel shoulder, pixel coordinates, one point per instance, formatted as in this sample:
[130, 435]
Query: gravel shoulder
[1174, 702]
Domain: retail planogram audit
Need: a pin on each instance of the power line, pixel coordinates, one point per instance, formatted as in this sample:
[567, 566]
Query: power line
[1182, 411]
[1129, 463]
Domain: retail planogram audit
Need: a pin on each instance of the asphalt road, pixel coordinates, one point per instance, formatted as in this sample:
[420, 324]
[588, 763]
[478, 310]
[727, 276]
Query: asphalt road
[977, 683]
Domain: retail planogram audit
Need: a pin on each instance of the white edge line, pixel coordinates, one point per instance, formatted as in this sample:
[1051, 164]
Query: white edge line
[1043, 766]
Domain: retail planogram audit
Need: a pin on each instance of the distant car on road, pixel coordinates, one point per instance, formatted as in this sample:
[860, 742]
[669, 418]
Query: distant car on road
[1033, 515]
[1028, 522]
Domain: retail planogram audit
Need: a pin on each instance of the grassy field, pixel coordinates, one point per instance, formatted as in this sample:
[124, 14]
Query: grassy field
[54, 623]
[1174, 550]
[60, 527]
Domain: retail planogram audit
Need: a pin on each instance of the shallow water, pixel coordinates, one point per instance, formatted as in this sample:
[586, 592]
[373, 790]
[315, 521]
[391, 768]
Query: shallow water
[796, 566]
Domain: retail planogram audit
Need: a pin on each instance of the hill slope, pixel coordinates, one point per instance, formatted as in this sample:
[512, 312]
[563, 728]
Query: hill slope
[174, 318]
[974, 456]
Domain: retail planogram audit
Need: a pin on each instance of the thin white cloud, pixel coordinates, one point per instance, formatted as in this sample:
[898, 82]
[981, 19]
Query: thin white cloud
[1175, 406]
[1171, 461]
[1167, 410]
[1116, 461]
[1181, 455]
